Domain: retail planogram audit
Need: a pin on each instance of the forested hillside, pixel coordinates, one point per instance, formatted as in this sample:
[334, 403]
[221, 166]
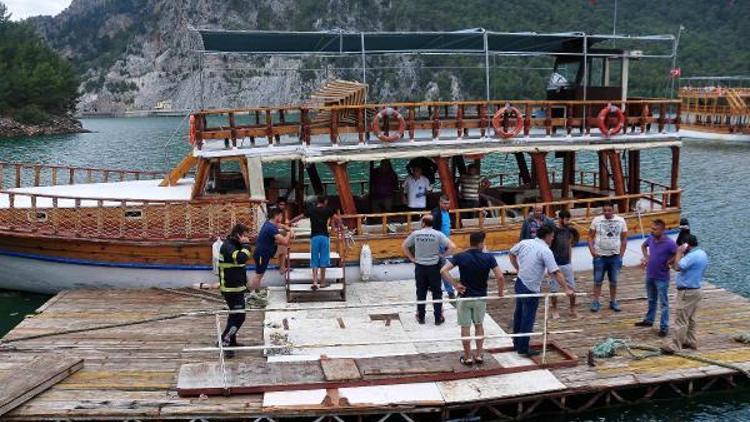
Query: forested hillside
[132, 54]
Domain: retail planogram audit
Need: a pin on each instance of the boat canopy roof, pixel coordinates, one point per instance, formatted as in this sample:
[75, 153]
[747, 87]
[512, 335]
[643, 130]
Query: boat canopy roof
[468, 41]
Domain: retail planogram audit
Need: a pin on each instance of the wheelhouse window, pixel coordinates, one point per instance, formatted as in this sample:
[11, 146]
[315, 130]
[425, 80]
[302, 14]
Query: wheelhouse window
[226, 177]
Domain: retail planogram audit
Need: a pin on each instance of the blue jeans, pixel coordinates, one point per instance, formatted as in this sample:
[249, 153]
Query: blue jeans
[610, 265]
[320, 251]
[524, 317]
[447, 286]
[657, 289]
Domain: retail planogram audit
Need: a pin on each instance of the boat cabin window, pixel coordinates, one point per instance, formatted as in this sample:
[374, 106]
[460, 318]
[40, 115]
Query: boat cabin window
[226, 177]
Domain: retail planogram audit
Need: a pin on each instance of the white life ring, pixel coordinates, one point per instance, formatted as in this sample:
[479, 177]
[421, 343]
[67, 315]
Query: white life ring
[215, 254]
[365, 262]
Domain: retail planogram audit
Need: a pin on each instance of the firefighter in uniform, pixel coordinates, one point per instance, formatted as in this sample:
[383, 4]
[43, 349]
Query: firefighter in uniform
[235, 252]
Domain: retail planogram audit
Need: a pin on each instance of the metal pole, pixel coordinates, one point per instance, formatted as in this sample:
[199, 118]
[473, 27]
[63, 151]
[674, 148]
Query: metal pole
[614, 22]
[585, 76]
[364, 63]
[486, 68]
[222, 364]
[674, 60]
[544, 329]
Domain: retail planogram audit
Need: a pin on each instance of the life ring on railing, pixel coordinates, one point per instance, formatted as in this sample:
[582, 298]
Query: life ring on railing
[393, 136]
[497, 121]
[193, 131]
[603, 119]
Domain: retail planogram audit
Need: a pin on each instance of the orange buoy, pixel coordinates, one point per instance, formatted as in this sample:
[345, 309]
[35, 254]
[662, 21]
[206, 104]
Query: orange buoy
[604, 116]
[499, 117]
[393, 136]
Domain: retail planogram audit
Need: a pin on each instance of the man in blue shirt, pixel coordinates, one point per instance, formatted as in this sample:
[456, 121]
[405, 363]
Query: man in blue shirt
[441, 218]
[474, 266]
[658, 252]
[268, 244]
[690, 263]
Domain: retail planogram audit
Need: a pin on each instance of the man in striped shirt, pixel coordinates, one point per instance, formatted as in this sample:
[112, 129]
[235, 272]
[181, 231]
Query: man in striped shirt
[469, 184]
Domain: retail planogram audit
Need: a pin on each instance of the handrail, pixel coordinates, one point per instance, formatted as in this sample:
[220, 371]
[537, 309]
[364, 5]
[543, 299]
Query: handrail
[414, 216]
[46, 174]
[302, 122]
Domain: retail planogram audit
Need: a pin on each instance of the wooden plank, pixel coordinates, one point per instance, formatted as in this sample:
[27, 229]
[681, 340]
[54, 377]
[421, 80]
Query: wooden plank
[340, 369]
[180, 171]
[30, 379]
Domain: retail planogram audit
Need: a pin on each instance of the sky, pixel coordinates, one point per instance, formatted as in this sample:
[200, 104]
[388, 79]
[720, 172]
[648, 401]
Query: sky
[21, 9]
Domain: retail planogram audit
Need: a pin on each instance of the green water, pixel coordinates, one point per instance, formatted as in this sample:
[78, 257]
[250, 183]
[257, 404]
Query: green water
[714, 176]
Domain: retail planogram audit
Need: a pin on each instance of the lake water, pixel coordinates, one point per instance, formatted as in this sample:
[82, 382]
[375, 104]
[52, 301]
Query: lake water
[713, 176]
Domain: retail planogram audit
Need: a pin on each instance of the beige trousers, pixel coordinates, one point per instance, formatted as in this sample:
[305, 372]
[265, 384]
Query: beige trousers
[684, 325]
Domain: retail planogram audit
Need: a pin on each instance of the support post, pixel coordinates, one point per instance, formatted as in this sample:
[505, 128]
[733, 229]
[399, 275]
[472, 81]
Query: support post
[569, 173]
[619, 179]
[343, 187]
[539, 160]
[315, 181]
[603, 171]
[446, 180]
[674, 184]
[634, 171]
[486, 68]
[523, 168]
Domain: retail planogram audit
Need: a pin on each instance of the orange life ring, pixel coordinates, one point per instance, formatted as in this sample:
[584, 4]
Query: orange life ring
[603, 118]
[394, 136]
[193, 131]
[497, 122]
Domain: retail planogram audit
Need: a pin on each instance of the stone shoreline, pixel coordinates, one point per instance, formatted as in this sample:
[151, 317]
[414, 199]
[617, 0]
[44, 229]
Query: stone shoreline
[10, 128]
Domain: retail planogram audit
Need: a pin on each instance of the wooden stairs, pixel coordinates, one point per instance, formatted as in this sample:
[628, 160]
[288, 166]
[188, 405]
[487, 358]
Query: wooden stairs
[736, 103]
[299, 279]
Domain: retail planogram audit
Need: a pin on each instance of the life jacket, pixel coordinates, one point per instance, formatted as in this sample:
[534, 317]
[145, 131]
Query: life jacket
[232, 260]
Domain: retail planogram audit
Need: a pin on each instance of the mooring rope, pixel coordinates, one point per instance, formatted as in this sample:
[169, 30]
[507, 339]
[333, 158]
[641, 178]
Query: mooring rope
[610, 346]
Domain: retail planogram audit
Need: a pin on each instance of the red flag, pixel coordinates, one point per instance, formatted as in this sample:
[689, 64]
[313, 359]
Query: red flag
[675, 73]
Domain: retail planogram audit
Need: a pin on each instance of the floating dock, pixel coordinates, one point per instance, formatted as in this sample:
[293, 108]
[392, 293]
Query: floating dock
[132, 371]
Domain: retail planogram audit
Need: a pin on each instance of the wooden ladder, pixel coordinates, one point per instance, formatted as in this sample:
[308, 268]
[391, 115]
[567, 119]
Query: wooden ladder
[299, 279]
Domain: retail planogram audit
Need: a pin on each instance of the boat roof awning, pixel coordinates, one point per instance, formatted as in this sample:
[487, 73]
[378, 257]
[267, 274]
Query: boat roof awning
[470, 41]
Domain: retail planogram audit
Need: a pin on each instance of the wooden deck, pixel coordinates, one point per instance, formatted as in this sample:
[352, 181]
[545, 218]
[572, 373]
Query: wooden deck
[130, 372]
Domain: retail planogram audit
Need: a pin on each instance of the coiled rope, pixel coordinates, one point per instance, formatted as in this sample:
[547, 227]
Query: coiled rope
[609, 348]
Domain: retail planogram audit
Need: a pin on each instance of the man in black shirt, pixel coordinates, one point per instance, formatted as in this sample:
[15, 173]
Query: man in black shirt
[235, 252]
[320, 242]
[474, 266]
[566, 237]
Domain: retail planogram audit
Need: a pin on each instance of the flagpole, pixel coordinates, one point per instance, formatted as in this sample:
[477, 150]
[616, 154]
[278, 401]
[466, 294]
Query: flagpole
[674, 60]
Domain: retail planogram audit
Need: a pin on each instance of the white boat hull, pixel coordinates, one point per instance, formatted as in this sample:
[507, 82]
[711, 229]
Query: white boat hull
[44, 275]
[711, 136]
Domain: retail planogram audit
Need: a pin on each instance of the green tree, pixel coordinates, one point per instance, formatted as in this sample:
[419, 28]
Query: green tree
[34, 80]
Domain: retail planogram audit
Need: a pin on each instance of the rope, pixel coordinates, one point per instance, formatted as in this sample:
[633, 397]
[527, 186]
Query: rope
[610, 346]
[742, 338]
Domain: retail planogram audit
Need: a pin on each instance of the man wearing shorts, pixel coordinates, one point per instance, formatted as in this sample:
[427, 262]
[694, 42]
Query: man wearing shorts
[320, 243]
[566, 236]
[269, 243]
[474, 267]
[608, 239]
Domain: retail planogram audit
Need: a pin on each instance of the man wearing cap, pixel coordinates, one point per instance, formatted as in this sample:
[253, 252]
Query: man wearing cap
[690, 263]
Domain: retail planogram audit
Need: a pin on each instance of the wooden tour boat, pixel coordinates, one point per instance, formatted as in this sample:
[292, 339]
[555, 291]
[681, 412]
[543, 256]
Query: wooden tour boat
[716, 108]
[64, 227]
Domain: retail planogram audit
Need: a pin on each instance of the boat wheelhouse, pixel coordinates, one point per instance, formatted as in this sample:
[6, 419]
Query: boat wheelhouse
[716, 108]
[83, 227]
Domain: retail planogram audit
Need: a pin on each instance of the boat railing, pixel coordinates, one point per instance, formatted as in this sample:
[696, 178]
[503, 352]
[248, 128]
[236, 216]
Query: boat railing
[22, 175]
[495, 216]
[403, 121]
[123, 218]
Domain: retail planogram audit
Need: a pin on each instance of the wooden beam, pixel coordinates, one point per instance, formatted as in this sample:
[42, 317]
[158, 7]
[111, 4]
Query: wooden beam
[315, 181]
[180, 171]
[201, 176]
[634, 171]
[23, 383]
[446, 180]
[619, 179]
[343, 187]
[569, 172]
[674, 182]
[539, 160]
[523, 168]
[603, 171]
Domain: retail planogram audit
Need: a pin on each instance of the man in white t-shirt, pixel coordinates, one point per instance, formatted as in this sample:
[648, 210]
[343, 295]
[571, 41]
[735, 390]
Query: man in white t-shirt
[416, 187]
[608, 238]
